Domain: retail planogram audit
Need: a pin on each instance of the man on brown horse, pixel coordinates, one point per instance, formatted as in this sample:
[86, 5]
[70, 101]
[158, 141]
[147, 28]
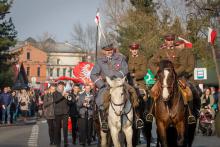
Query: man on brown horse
[183, 62]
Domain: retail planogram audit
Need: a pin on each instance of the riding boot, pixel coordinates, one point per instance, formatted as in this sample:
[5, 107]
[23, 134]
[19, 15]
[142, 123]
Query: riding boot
[138, 121]
[191, 118]
[103, 120]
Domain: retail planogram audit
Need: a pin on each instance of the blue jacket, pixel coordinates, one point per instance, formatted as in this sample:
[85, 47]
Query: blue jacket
[5, 99]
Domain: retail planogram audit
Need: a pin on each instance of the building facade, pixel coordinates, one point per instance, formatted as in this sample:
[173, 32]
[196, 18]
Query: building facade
[47, 62]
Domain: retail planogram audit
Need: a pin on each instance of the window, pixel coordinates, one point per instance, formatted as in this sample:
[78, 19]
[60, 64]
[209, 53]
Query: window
[58, 72]
[70, 72]
[28, 55]
[38, 71]
[58, 61]
[64, 72]
[51, 72]
[28, 71]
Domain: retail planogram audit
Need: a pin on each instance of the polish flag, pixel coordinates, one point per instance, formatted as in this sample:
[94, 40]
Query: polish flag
[186, 43]
[97, 18]
[212, 34]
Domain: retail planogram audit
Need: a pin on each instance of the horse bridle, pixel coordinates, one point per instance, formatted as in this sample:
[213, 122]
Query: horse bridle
[121, 113]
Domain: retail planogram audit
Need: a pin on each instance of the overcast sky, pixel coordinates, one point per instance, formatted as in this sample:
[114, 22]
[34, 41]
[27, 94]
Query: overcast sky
[34, 17]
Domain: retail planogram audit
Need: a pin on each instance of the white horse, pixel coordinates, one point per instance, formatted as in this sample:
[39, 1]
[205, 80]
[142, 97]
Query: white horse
[120, 116]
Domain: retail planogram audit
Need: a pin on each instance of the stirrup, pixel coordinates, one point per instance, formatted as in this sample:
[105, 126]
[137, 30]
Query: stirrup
[104, 126]
[149, 117]
[139, 123]
[191, 119]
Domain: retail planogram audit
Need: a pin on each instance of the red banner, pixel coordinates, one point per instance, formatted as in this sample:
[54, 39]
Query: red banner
[82, 71]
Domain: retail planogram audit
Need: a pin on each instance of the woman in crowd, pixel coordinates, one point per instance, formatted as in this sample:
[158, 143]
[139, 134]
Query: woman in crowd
[207, 102]
[24, 101]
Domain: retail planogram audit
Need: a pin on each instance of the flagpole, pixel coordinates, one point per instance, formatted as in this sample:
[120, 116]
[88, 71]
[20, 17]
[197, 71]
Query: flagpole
[216, 64]
[96, 45]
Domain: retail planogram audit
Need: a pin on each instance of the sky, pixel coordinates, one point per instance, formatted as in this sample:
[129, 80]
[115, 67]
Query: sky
[32, 18]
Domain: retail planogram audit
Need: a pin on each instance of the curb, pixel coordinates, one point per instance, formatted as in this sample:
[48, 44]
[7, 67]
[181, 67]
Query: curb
[29, 122]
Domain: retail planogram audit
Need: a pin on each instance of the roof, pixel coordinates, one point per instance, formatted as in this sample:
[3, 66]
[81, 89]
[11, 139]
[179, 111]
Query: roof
[49, 46]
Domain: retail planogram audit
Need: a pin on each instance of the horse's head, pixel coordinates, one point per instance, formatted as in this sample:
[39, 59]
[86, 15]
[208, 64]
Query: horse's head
[116, 87]
[167, 78]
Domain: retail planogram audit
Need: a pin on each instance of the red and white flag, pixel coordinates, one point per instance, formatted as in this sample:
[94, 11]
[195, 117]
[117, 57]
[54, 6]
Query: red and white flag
[186, 42]
[212, 34]
[97, 18]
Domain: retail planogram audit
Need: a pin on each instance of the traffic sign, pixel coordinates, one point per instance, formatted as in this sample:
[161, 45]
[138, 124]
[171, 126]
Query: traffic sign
[149, 78]
[200, 74]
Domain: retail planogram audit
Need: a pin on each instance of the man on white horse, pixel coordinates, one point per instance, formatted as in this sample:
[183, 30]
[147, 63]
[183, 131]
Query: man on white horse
[111, 65]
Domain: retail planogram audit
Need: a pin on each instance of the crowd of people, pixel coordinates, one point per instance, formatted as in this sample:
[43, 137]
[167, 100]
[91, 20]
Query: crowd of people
[77, 104]
[16, 104]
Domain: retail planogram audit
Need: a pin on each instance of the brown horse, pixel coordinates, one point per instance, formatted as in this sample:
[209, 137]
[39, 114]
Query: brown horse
[169, 107]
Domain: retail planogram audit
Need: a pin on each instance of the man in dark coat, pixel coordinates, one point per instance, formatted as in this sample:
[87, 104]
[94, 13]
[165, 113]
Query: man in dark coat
[85, 106]
[61, 110]
[73, 112]
[49, 112]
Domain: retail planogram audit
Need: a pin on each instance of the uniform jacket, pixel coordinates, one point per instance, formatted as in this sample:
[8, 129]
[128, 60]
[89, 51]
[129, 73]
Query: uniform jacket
[49, 106]
[182, 59]
[138, 66]
[116, 67]
[89, 99]
[61, 107]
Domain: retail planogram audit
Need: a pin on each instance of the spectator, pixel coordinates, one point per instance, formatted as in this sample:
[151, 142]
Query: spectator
[6, 99]
[32, 107]
[61, 114]
[13, 107]
[207, 101]
[215, 96]
[24, 101]
[85, 106]
[73, 113]
[49, 112]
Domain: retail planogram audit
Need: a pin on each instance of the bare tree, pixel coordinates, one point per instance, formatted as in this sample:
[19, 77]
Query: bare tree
[84, 37]
[46, 41]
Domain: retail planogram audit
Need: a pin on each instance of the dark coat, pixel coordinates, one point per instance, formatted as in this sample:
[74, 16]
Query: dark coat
[49, 106]
[82, 109]
[61, 106]
[73, 112]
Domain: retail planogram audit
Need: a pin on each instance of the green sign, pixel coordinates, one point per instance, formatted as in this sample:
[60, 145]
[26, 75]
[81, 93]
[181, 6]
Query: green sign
[149, 78]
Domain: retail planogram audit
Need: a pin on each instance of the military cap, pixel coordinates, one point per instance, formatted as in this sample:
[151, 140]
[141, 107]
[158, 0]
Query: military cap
[61, 83]
[134, 46]
[177, 43]
[169, 37]
[108, 47]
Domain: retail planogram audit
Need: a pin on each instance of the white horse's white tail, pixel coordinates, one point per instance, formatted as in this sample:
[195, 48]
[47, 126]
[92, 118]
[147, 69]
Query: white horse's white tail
[120, 112]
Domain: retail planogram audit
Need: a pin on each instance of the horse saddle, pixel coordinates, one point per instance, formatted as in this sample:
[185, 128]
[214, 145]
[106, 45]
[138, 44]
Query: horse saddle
[185, 90]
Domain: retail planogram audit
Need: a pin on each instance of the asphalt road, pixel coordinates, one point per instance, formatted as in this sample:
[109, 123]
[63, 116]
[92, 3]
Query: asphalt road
[37, 136]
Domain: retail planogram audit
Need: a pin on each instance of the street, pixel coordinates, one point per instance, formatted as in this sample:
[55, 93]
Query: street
[37, 136]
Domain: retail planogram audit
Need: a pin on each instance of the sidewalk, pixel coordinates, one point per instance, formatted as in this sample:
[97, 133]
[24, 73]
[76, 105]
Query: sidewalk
[20, 122]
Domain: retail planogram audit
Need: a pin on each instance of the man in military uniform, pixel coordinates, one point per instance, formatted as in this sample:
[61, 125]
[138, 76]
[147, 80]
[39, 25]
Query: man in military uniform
[137, 67]
[111, 65]
[179, 58]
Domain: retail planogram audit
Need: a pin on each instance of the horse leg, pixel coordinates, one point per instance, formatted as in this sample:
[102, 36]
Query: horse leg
[180, 128]
[115, 137]
[162, 133]
[128, 134]
[103, 139]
